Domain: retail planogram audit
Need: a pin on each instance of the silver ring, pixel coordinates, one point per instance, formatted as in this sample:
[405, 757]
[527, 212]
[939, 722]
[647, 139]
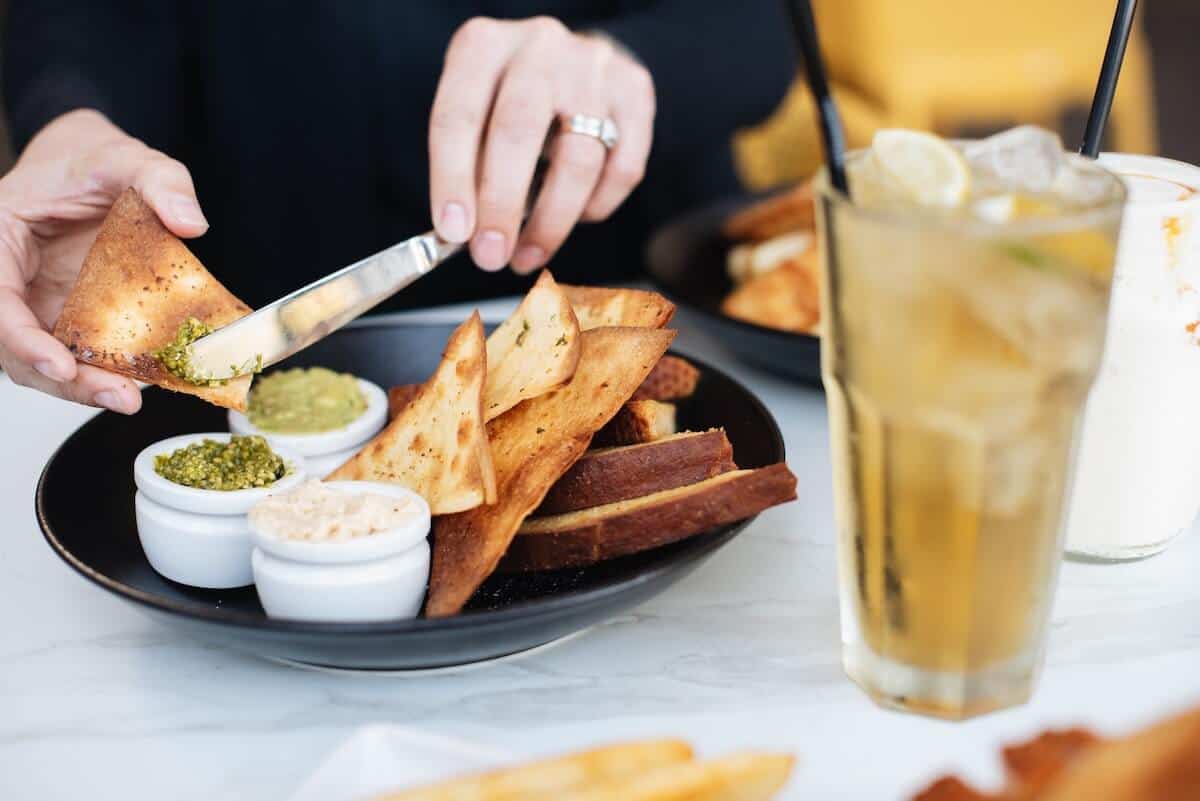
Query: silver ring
[601, 129]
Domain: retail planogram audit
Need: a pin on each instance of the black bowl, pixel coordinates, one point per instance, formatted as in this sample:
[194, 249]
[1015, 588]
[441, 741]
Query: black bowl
[686, 259]
[85, 509]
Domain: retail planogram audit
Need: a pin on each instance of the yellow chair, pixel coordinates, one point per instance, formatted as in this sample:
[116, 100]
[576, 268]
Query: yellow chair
[953, 66]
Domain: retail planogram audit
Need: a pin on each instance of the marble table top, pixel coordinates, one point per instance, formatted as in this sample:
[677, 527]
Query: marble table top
[98, 701]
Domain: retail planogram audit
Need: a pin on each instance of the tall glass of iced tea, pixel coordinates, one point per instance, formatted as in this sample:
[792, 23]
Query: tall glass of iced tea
[966, 294]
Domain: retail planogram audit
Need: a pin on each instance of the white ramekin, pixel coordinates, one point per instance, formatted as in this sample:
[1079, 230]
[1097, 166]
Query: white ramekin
[381, 576]
[196, 536]
[326, 451]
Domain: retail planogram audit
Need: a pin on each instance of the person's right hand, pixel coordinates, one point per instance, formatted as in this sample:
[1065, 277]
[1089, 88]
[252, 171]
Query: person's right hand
[51, 205]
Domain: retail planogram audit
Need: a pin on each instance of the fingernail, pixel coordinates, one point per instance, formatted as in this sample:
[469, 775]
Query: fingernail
[490, 250]
[187, 211]
[529, 257]
[110, 400]
[454, 223]
[50, 370]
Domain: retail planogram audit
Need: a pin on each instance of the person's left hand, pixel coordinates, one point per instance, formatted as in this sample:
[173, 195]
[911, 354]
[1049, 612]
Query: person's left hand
[503, 84]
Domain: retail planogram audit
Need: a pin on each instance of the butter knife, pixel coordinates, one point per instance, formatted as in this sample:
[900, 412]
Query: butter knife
[295, 321]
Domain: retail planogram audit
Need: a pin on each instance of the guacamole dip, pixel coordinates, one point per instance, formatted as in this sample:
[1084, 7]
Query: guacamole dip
[305, 401]
[241, 463]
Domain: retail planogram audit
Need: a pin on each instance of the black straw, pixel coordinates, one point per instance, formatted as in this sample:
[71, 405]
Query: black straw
[804, 28]
[1106, 87]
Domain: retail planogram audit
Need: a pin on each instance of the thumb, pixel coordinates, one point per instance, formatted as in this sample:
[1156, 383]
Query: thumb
[164, 183]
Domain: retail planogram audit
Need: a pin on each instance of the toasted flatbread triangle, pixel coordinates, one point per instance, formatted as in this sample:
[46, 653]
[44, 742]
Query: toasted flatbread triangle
[597, 306]
[437, 445]
[533, 445]
[138, 284]
[533, 351]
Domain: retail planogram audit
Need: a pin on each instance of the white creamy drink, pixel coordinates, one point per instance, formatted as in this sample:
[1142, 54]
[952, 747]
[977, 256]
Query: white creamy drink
[1137, 481]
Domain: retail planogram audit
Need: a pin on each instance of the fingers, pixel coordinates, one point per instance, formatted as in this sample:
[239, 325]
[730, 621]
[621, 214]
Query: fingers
[575, 160]
[633, 113]
[475, 60]
[502, 86]
[91, 386]
[575, 165]
[516, 133]
[166, 185]
[24, 338]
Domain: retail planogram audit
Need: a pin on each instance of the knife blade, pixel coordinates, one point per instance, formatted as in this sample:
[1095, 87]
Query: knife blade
[295, 321]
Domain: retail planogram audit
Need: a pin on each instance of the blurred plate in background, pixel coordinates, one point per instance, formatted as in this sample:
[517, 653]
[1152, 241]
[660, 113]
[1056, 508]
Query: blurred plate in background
[686, 260]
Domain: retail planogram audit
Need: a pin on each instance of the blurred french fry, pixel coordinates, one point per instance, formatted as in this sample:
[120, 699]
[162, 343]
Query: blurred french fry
[557, 777]
[741, 777]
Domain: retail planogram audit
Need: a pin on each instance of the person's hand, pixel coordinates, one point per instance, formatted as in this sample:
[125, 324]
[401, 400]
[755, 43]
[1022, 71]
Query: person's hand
[51, 205]
[503, 84]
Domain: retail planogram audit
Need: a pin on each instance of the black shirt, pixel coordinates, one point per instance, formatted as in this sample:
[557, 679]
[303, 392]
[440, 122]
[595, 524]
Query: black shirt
[305, 123]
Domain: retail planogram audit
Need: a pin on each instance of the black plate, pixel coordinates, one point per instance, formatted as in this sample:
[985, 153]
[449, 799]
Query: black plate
[686, 259]
[85, 508]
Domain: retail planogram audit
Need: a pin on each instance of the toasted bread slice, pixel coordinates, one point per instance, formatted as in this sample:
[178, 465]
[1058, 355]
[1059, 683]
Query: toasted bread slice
[608, 475]
[138, 284]
[638, 421]
[592, 535]
[597, 306]
[671, 379]
[533, 444]
[787, 298]
[791, 210]
[437, 445]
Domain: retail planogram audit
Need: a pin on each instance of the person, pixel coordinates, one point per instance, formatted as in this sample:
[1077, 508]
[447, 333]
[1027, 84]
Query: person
[287, 140]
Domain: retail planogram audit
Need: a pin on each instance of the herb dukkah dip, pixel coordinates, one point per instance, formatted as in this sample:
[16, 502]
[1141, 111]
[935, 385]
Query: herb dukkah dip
[241, 463]
[175, 356]
[305, 401]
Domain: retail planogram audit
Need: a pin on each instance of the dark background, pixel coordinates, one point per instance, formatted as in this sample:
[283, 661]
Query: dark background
[1172, 27]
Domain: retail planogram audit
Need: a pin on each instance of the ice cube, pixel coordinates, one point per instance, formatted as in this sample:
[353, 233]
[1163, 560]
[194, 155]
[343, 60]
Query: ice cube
[1026, 158]
[1082, 188]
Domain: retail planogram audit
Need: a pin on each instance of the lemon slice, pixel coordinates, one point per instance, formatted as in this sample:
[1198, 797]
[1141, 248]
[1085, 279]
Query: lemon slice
[1012, 206]
[929, 170]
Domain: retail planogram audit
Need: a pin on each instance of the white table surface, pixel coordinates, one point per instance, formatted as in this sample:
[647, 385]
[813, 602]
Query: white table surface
[98, 701]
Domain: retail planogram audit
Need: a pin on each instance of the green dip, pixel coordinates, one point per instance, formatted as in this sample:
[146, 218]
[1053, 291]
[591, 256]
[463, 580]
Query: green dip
[241, 463]
[174, 356]
[305, 401]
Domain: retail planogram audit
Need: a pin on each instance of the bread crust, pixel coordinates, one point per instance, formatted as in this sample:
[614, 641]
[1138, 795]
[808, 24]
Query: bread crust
[593, 535]
[608, 475]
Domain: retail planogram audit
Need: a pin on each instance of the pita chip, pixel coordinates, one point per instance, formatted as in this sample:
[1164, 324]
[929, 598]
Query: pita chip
[138, 284]
[533, 445]
[437, 445]
[533, 351]
[597, 306]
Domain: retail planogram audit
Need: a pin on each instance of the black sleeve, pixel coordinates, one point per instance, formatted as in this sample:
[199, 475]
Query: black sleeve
[121, 57]
[717, 65]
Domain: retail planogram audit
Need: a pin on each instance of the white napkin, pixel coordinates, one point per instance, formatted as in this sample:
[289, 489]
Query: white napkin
[379, 758]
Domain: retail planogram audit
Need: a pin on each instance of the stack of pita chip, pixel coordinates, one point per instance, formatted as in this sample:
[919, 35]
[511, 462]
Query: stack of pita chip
[571, 369]
[137, 286]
